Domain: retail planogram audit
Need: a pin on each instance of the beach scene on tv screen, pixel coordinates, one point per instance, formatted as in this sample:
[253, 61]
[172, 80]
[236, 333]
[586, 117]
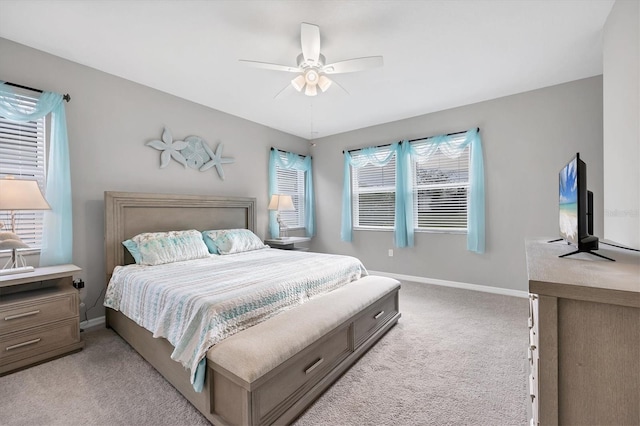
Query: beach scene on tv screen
[569, 202]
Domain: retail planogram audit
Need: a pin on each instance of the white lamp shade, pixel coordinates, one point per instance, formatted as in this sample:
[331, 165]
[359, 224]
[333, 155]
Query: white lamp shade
[281, 203]
[298, 82]
[311, 90]
[19, 194]
[324, 82]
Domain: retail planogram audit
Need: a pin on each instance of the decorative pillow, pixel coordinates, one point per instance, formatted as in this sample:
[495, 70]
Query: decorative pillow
[229, 241]
[157, 248]
[132, 246]
[211, 245]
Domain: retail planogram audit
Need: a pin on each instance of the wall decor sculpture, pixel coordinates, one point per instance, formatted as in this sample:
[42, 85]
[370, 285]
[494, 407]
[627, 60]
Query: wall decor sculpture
[193, 151]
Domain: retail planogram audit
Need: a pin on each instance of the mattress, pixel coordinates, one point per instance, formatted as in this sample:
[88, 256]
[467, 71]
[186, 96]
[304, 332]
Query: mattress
[197, 303]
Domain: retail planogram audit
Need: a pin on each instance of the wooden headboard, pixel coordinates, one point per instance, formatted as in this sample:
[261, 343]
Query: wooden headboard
[130, 213]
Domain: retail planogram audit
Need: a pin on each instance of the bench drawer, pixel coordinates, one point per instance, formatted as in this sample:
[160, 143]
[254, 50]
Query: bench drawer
[300, 373]
[375, 317]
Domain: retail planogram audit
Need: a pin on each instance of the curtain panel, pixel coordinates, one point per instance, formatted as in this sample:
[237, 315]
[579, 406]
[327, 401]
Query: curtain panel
[57, 238]
[296, 162]
[452, 146]
[377, 156]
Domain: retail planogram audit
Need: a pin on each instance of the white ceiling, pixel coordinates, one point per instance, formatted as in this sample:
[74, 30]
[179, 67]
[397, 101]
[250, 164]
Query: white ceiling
[437, 54]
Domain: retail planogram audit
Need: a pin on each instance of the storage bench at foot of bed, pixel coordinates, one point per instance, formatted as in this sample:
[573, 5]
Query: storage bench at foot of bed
[271, 372]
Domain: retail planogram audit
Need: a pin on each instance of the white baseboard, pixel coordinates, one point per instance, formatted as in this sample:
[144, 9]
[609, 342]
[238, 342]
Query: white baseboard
[456, 284]
[93, 322]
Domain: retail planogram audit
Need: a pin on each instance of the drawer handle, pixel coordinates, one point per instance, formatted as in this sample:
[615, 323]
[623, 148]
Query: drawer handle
[378, 315]
[25, 314]
[313, 366]
[533, 347]
[19, 345]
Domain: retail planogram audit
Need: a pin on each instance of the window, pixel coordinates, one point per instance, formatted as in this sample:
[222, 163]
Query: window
[374, 193]
[291, 182]
[441, 187]
[22, 155]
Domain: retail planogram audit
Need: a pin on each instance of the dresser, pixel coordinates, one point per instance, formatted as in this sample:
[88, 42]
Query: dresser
[584, 332]
[39, 317]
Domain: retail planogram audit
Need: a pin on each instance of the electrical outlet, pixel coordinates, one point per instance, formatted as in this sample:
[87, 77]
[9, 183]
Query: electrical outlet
[390, 252]
[78, 284]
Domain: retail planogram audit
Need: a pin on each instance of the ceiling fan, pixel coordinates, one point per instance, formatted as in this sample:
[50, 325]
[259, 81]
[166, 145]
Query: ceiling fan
[312, 69]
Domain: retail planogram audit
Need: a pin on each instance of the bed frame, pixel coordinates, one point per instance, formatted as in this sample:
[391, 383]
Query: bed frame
[232, 393]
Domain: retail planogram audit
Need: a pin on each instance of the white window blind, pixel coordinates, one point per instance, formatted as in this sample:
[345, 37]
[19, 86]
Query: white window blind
[373, 195]
[22, 155]
[291, 182]
[441, 187]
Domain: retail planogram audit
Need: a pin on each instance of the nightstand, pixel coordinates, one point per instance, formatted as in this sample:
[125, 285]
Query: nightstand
[288, 243]
[39, 317]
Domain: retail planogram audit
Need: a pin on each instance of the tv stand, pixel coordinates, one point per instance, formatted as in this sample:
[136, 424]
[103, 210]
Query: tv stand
[586, 251]
[556, 240]
[585, 245]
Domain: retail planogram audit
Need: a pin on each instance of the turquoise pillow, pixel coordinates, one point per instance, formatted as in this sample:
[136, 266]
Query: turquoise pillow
[211, 245]
[132, 246]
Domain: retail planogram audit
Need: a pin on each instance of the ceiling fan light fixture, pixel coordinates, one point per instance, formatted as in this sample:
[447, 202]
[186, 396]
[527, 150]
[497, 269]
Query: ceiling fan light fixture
[311, 90]
[324, 83]
[311, 76]
[298, 82]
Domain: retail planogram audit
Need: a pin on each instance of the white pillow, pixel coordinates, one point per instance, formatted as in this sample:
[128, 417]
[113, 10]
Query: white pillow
[229, 241]
[157, 248]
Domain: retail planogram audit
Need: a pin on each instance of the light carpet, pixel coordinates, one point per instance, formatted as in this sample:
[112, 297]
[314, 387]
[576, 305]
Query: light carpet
[457, 357]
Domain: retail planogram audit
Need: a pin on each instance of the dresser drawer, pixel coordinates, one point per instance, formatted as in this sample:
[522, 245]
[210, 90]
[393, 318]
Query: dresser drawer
[300, 373]
[36, 341]
[29, 312]
[375, 317]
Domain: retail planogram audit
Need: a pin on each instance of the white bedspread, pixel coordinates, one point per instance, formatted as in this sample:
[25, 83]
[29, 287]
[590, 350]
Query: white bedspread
[197, 303]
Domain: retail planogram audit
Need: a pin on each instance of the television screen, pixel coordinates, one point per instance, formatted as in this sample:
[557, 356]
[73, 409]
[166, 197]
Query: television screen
[569, 202]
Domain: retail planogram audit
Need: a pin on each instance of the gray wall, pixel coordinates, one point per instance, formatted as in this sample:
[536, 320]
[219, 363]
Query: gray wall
[527, 139]
[621, 90]
[109, 119]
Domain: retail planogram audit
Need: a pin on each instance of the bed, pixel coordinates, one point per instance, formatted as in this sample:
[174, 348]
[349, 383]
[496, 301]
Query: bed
[271, 372]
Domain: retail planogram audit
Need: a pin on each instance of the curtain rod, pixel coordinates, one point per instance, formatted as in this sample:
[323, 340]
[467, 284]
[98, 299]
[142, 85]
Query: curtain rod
[414, 140]
[282, 150]
[66, 97]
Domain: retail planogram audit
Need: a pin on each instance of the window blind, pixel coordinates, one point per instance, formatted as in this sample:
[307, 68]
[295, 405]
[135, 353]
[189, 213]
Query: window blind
[441, 189]
[373, 193]
[23, 155]
[291, 182]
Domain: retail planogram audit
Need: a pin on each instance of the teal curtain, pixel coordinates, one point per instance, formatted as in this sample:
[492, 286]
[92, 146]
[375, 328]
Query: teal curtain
[453, 146]
[57, 238]
[297, 162]
[377, 156]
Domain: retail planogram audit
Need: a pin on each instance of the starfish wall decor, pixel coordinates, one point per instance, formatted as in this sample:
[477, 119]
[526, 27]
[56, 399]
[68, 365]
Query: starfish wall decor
[193, 151]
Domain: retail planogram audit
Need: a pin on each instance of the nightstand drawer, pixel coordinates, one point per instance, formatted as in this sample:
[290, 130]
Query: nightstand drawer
[29, 312]
[36, 341]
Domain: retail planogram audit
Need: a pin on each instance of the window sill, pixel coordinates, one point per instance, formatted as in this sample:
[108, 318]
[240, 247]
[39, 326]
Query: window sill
[420, 231]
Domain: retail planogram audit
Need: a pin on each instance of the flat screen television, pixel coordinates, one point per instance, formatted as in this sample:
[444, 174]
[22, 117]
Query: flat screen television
[576, 208]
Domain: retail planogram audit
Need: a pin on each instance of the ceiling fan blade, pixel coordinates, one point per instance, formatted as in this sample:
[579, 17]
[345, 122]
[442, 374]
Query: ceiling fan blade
[310, 41]
[286, 91]
[353, 65]
[340, 86]
[268, 66]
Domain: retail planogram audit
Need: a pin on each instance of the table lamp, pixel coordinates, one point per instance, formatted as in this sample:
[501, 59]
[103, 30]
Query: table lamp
[17, 194]
[281, 203]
